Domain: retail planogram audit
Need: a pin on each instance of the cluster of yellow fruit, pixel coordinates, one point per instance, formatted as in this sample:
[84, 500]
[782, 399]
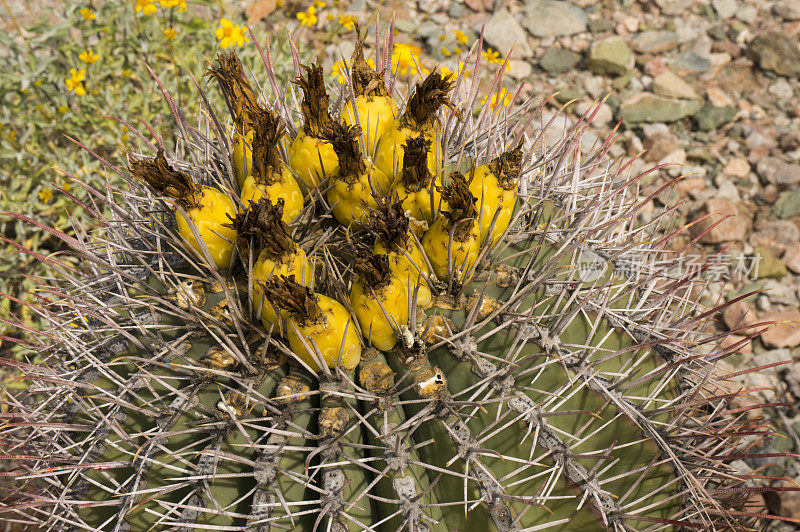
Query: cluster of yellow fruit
[427, 229]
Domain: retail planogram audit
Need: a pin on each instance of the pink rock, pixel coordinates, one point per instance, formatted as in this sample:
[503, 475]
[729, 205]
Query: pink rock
[739, 314]
[690, 186]
[786, 332]
[731, 229]
[737, 167]
[792, 257]
[746, 346]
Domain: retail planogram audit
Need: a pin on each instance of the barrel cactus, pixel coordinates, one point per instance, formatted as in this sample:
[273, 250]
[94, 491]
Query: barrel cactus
[459, 347]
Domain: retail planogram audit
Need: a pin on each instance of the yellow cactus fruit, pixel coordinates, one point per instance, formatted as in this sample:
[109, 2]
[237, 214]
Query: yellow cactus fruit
[419, 118]
[395, 240]
[311, 157]
[208, 208]
[243, 104]
[415, 185]
[452, 243]
[319, 328]
[379, 299]
[353, 192]
[243, 155]
[376, 116]
[270, 178]
[495, 187]
[261, 227]
[374, 110]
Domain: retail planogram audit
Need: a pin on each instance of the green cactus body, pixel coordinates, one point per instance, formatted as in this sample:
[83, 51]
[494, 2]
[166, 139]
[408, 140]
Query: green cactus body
[547, 387]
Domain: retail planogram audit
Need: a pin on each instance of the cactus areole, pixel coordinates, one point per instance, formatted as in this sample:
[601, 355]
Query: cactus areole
[352, 367]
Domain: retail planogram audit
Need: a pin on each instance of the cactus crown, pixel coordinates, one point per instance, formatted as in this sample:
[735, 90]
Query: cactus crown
[416, 175]
[315, 101]
[235, 87]
[366, 80]
[297, 300]
[267, 132]
[372, 268]
[344, 140]
[390, 223]
[162, 178]
[262, 223]
[524, 395]
[429, 96]
[461, 205]
[507, 167]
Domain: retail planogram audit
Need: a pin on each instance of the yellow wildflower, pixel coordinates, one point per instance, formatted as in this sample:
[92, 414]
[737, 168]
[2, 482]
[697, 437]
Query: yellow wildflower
[319, 4]
[279, 3]
[170, 33]
[461, 37]
[181, 6]
[446, 52]
[457, 50]
[504, 96]
[87, 13]
[37, 83]
[66, 186]
[230, 34]
[308, 18]
[329, 17]
[147, 7]
[63, 109]
[405, 58]
[77, 75]
[126, 73]
[74, 83]
[89, 57]
[12, 135]
[452, 76]
[347, 21]
[442, 37]
[45, 195]
[491, 55]
[167, 4]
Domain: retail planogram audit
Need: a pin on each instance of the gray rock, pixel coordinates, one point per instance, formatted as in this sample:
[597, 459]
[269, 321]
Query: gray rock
[602, 115]
[775, 51]
[779, 173]
[709, 118]
[787, 9]
[611, 56]
[725, 8]
[553, 18]
[502, 31]
[646, 107]
[674, 7]
[558, 60]
[782, 89]
[655, 42]
[690, 63]
[600, 25]
[788, 204]
[455, 10]
[518, 69]
[747, 14]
